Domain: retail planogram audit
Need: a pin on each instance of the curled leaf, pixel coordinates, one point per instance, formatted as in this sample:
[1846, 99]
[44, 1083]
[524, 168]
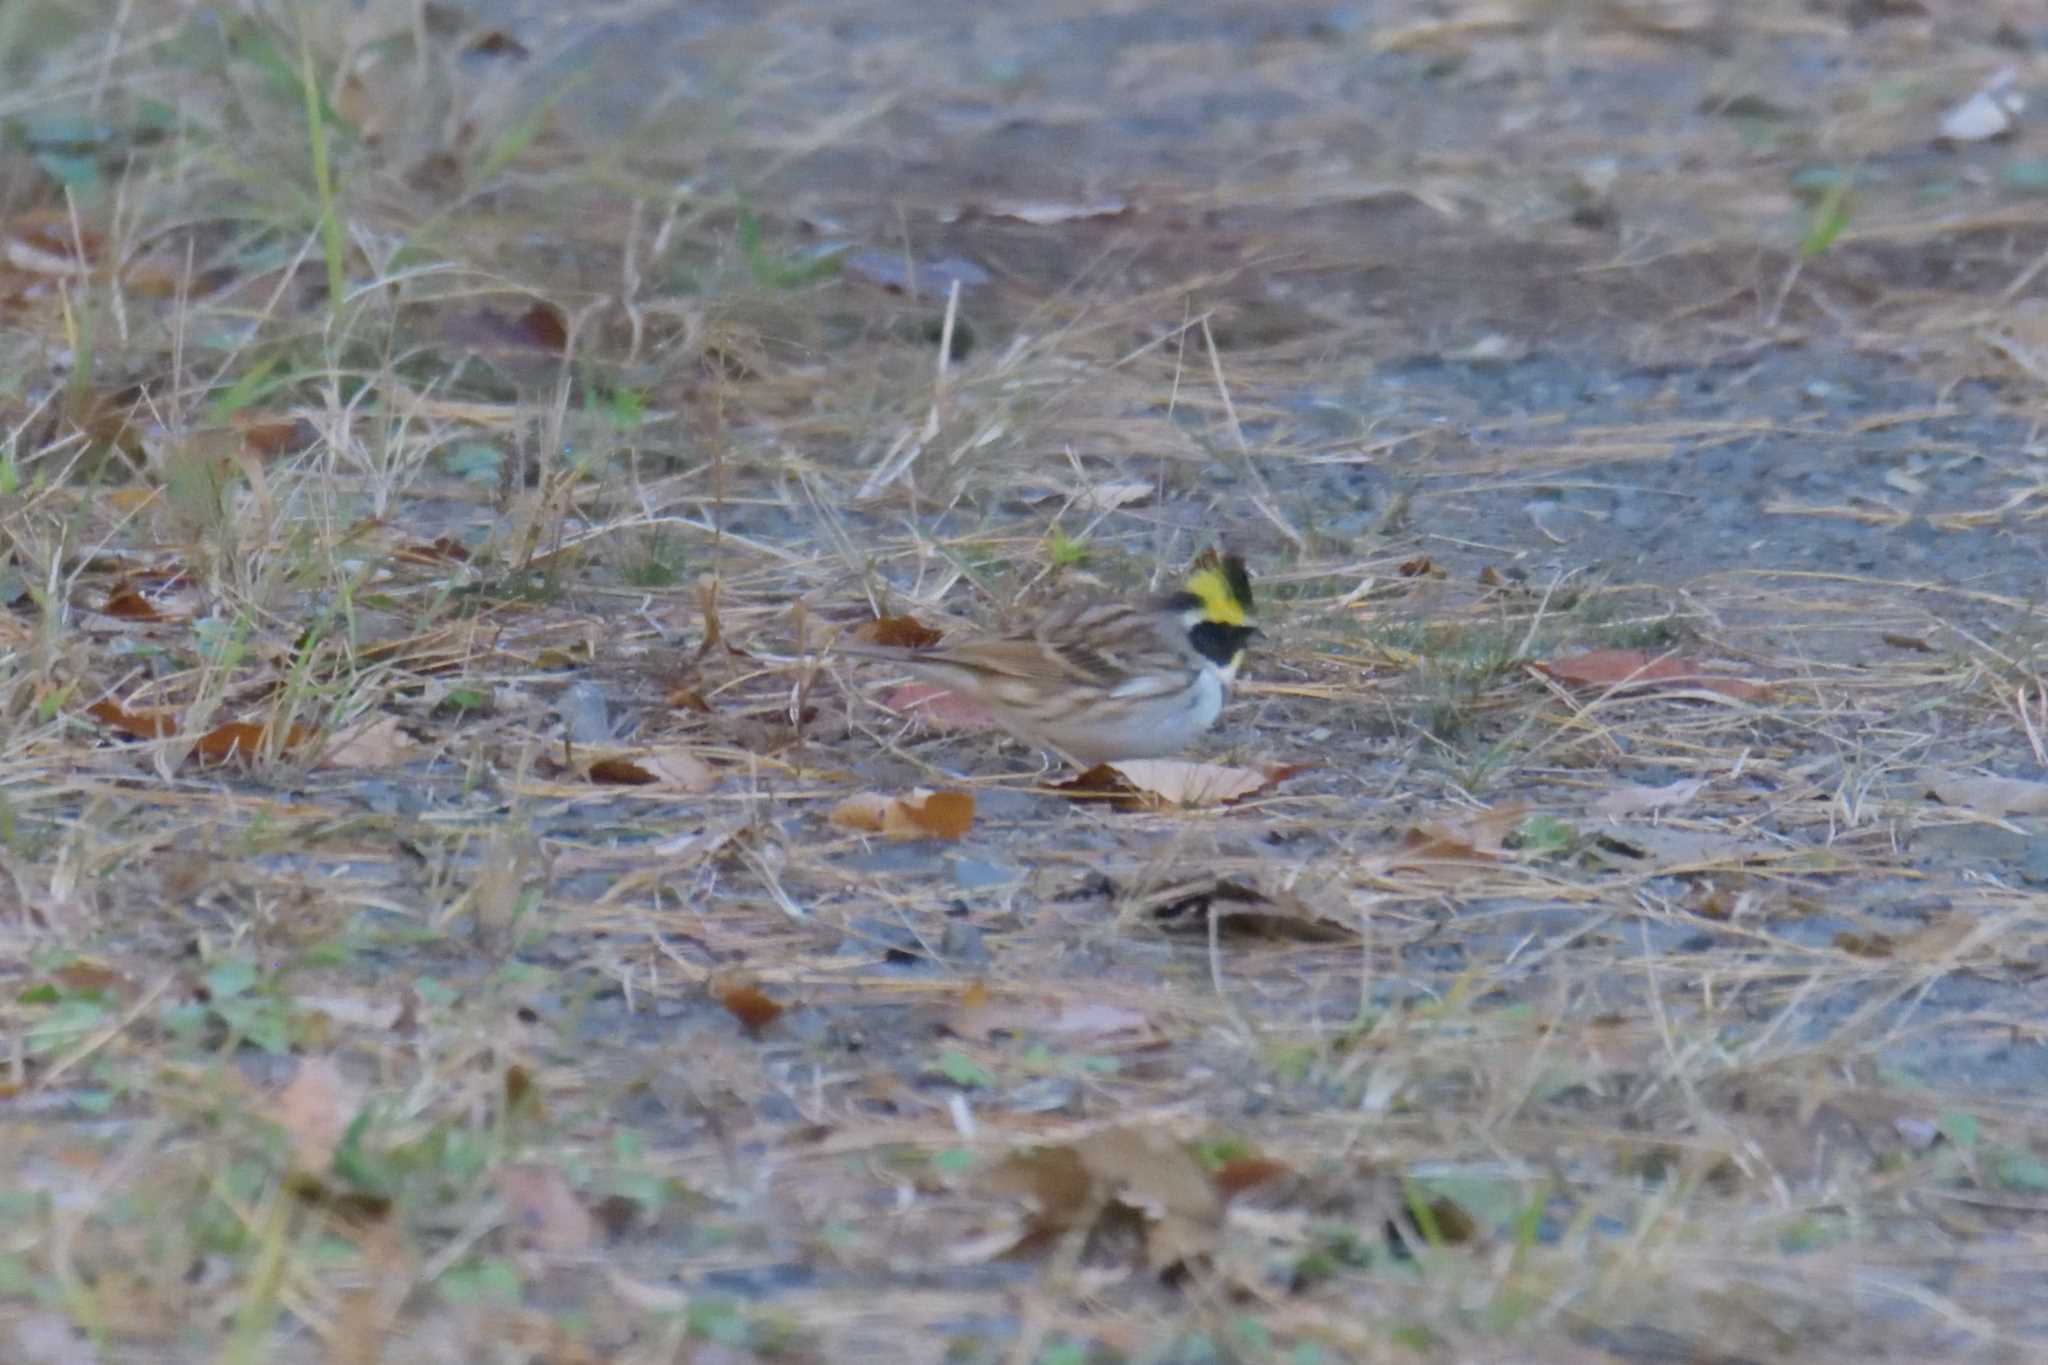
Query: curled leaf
[748, 1003]
[897, 632]
[1170, 782]
[919, 814]
[134, 724]
[242, 741]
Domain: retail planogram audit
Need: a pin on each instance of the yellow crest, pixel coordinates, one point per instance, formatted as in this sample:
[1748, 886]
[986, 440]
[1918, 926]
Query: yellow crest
[1224, 587]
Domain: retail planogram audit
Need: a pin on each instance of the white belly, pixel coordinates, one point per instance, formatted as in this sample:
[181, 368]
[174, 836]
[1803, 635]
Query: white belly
[1157, 731]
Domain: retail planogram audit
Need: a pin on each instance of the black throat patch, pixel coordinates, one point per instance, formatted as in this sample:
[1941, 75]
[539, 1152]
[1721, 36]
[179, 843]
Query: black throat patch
[1215, 641]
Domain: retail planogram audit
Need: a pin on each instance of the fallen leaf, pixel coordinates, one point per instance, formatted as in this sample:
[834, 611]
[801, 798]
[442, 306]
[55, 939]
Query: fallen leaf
[1243, 1173]
[378, 742]
[134, 724]
[129, 605]
[1142, 1170]
[1155, 1174]
[540, 328]
[1107, 495]
[973, 1017]
[1634, 800]
[45, 244]
[748, 1003]
[544, 1213]
[272, 434]
[1633, 670]
[1466, 838]
[1994, 796]
[1670, 849]
[920, 814]
[1054, 1181]
[1160, 782]
[315, 1111]
[977, 1015]
[151, 598]
[897, 632]
[440, 550]
[687, 699]
[1243, 911]
[678, 768]
[84, 976]
[243, 741]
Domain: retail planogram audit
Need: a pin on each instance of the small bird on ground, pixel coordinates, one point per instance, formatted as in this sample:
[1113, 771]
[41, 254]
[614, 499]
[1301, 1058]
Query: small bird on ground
[1097, 681]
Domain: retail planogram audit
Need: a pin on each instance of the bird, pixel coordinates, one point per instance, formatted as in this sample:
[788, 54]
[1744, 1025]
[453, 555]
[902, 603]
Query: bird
[1097, 681]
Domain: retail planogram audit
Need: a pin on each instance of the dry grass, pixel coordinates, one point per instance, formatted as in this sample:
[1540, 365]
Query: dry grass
[394, 480]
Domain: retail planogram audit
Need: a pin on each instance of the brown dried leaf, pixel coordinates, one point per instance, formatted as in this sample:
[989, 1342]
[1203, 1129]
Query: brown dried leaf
[748, 1003]
[1157, 783]
[134, 724]
[897, 632]
[152, 596]
[678, 768]
[241, 741]
[124, 602]
[1152, 1172]
[44, 243]
[1057, 1184]
[681, 769]
[1243, 1173]
[687, 699]
[378, 742]
[919, 814]
[540, 328]
[1634, 800]
[1245, 911]
[543, 1211]
[863, 812]
[939, 815]
[440, 550]
[1994, 796]
[977, 1016]
[973, 1017]
[1466, 838]
[315, 1110]
[84, 976]
[1631, 670]
[270, 434]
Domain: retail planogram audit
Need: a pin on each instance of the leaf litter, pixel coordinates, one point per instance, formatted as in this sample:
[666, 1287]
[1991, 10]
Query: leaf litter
[644, 1045]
